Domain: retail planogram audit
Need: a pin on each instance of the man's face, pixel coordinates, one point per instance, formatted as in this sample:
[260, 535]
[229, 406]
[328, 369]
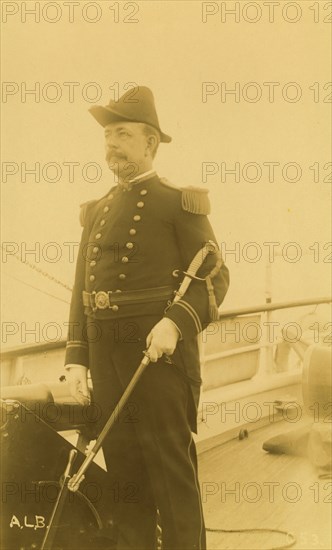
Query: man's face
[126, 149]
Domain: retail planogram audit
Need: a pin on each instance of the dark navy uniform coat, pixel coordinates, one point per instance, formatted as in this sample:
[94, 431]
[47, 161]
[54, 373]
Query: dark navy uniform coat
[142, 240]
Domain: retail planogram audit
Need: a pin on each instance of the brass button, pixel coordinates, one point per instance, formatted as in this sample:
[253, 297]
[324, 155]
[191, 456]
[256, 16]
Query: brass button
[93, 263]
[106, 209]
[92, 278]
[132, 231]
[95, 249]
[130, 245]
[124, 259]
[118, 290]
[98, 236]
[115, 308]
[140, 204]
[102, 222]
[143, 192]
[137, 218]
[122, 276]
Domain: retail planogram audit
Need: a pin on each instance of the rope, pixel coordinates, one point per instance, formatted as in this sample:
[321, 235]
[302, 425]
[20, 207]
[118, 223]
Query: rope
[40, 271]
[36, 288]
[260, 530]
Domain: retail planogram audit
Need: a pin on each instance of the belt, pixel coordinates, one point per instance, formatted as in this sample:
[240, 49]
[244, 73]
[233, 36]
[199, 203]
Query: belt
[111, 300]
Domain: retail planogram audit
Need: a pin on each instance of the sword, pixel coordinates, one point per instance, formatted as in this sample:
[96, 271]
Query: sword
[75, 481]
[59, 504]
[72, 483]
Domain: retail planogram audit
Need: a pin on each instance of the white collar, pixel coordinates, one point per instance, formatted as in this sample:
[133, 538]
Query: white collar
[141, 176]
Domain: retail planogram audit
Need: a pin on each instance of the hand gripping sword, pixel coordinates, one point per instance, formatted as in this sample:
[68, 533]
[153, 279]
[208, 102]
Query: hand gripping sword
[72, 483]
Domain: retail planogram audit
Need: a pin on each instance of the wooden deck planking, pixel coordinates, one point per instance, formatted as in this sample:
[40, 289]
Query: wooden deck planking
[245, 462]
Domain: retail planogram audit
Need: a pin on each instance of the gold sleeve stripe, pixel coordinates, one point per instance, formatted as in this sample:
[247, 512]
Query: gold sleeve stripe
[77, 343]
[194, 313]
[189, 309]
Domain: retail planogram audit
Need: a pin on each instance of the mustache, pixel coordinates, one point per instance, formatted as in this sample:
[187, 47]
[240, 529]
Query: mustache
[114, 155]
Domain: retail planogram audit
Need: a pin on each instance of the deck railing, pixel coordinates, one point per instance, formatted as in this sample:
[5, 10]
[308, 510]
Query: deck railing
[253, 355]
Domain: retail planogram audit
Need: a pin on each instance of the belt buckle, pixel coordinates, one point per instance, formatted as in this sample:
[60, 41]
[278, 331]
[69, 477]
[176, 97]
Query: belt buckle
[99, 300]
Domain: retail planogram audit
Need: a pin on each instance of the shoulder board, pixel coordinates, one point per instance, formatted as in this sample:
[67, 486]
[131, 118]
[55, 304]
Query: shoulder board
[83, 212]
[194, 199]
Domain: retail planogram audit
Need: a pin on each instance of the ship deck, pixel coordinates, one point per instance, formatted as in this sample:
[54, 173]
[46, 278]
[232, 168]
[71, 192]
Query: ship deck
[244, 487]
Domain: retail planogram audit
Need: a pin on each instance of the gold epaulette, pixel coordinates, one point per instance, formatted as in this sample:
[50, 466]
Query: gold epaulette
[194, 199]
[84, 208]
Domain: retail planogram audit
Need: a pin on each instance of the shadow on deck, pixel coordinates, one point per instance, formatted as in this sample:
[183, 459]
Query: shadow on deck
[243, 487]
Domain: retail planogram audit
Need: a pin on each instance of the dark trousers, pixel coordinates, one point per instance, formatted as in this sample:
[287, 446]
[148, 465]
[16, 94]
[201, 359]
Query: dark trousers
[150, 454]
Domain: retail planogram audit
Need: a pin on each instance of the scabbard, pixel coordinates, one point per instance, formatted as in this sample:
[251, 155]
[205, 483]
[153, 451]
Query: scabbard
[58, 507]
[76, 479]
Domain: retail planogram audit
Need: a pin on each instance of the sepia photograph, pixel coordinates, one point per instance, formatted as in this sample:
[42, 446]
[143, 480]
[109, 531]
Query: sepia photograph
[166, 250]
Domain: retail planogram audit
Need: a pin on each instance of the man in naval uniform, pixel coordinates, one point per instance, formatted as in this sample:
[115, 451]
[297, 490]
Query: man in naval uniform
[138, 242]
